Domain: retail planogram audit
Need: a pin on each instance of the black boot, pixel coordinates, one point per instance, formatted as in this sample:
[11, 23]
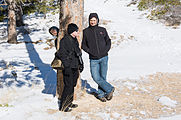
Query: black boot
[63, 109]
[110, 95]
[73, 105]
[68, 109]
[59, 105]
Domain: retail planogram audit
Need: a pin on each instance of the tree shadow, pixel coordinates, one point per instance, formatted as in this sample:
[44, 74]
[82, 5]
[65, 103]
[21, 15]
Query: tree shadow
[46, 72]
[3, 30]
[8, 79]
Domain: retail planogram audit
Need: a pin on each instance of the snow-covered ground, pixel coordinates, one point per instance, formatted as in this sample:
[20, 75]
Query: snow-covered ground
[140, 47]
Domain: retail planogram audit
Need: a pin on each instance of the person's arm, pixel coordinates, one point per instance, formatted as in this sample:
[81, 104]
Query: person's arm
[56, 39]
[84, 45]
[63, 54]
[108, 41]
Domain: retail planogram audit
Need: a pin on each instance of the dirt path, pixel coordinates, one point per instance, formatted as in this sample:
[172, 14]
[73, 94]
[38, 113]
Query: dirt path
[136, 100]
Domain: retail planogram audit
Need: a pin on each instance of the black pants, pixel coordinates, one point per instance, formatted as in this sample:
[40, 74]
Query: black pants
[70, 81]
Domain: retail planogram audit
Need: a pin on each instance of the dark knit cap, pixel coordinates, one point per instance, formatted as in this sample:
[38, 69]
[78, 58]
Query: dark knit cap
[94, 15]
[55, 28]
[71, 28]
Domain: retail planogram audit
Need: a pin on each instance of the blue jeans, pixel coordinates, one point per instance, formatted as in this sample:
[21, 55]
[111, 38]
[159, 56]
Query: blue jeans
[98, 70]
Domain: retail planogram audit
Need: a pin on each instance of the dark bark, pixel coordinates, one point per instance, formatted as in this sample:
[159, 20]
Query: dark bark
[19, 15]
[12, 35]
[70, 11]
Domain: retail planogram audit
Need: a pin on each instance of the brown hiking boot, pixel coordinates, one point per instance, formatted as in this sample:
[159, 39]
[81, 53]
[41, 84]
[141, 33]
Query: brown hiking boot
[102, 99]
[110, 95]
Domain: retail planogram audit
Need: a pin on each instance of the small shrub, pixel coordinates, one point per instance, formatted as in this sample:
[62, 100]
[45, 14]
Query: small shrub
[5, 105]
[29, 9]
[161, 9]
[145, 4]
[3, 13]
[1, 18]
[159, 12]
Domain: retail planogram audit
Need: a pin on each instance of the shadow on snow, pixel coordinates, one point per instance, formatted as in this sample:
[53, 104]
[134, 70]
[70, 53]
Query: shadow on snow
[85, 85]
[10, 76]
[46, 72]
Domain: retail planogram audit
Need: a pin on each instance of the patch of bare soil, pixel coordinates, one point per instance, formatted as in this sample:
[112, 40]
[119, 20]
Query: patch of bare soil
[140, 101]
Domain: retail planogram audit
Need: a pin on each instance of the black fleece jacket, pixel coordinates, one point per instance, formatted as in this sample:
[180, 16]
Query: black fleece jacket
[69, 51]
[96, 42]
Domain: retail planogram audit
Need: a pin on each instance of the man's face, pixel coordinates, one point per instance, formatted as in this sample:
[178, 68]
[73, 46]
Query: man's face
[93, 21]
[75, 34]
[54, 32]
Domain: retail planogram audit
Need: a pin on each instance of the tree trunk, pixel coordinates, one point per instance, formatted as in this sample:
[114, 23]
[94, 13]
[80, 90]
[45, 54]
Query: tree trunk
[19, 15]
[12, 35]
[71, 11]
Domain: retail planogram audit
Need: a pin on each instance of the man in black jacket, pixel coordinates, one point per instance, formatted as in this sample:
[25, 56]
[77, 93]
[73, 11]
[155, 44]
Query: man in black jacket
[97, 43]
[70, 55]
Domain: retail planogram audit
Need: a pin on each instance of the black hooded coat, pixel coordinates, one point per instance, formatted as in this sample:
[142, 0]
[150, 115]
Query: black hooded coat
[96, 41]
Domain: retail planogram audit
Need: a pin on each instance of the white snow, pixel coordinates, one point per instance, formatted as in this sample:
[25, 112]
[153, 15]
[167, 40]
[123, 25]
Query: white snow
[167, 101]
[116, 115]
[177, 117]
[152, 48]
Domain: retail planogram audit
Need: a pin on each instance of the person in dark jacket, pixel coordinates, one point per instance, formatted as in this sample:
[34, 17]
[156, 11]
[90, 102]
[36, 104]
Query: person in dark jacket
[97, 43]
[70, 55]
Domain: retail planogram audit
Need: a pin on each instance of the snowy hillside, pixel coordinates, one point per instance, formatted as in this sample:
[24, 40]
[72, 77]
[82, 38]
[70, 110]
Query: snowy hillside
[144, 67]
